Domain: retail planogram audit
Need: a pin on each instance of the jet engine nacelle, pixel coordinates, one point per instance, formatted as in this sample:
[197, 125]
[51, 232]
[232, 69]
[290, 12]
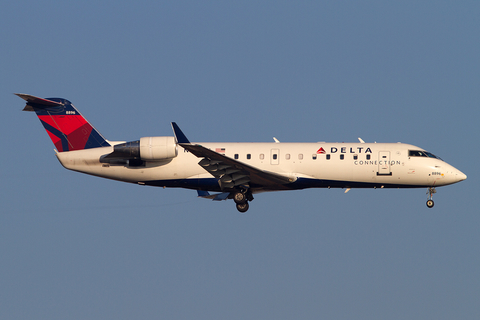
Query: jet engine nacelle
[157, 148]
[146, 149]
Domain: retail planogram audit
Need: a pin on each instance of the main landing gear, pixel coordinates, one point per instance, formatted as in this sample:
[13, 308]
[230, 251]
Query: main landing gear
[241, 198]
[430, 192]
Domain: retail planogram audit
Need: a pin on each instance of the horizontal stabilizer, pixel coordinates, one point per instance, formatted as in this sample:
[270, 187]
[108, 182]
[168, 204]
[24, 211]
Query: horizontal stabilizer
[37, 102]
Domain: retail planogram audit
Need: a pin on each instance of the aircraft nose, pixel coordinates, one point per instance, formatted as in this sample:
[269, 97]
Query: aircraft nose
[460, 176]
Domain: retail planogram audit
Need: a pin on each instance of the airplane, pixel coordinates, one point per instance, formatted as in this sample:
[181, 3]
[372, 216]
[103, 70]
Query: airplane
[225, 170]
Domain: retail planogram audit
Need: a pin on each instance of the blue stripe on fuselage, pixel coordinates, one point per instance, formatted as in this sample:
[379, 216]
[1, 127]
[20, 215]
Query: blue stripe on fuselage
[211, 184]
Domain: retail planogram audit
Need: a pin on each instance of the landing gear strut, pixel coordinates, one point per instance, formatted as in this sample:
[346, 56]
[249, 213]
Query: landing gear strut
[241, 199]
[430, 192]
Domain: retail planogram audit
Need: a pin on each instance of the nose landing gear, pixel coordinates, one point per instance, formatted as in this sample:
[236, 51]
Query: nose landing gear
[430, 192]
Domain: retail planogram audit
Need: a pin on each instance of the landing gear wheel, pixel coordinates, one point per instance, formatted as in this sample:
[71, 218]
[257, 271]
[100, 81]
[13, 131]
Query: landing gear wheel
[239, 198]
[242, 207]
[430, 203]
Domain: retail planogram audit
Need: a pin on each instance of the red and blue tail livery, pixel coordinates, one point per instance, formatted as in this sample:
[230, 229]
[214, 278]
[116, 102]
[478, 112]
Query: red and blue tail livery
[67, 128]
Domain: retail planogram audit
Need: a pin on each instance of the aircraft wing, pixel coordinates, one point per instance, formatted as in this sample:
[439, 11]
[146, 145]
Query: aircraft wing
[231, 173]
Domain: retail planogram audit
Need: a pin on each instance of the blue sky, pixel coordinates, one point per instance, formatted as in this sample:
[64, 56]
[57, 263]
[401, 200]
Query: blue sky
[79, 247]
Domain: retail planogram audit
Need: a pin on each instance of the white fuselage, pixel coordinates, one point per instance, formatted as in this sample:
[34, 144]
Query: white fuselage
[345, 165]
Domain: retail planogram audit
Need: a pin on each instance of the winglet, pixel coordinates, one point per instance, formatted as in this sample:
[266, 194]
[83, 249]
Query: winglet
[214, 197]
[203, 194]
[179, 136]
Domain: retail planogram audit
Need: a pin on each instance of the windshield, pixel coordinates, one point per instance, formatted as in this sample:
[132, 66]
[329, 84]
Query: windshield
[431, 155]
[420, 153]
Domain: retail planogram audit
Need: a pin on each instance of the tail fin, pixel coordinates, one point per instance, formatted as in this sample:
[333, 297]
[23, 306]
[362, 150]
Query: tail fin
[67, 128]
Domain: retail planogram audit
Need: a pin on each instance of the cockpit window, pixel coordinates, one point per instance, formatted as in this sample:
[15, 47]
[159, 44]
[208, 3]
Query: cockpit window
[419, 153]
[431, 155]
[416, 153]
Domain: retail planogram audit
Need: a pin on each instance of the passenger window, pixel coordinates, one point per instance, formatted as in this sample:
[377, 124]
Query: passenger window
[287, 156]
[342, 156]
[368, 157]
[328, 157]
[314, 156]
[249, 156]
[236, 156]
[262, 156]
[355, 157]
[300, 156]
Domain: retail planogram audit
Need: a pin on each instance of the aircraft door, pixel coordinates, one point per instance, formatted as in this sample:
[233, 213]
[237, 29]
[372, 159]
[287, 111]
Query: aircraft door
[384, 163]
[274, 156]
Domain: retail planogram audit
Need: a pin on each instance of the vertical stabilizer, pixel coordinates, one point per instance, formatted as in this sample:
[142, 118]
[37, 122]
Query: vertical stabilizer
[67, 128]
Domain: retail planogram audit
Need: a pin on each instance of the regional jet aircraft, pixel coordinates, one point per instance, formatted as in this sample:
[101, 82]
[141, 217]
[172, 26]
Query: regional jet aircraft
[236, 170]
